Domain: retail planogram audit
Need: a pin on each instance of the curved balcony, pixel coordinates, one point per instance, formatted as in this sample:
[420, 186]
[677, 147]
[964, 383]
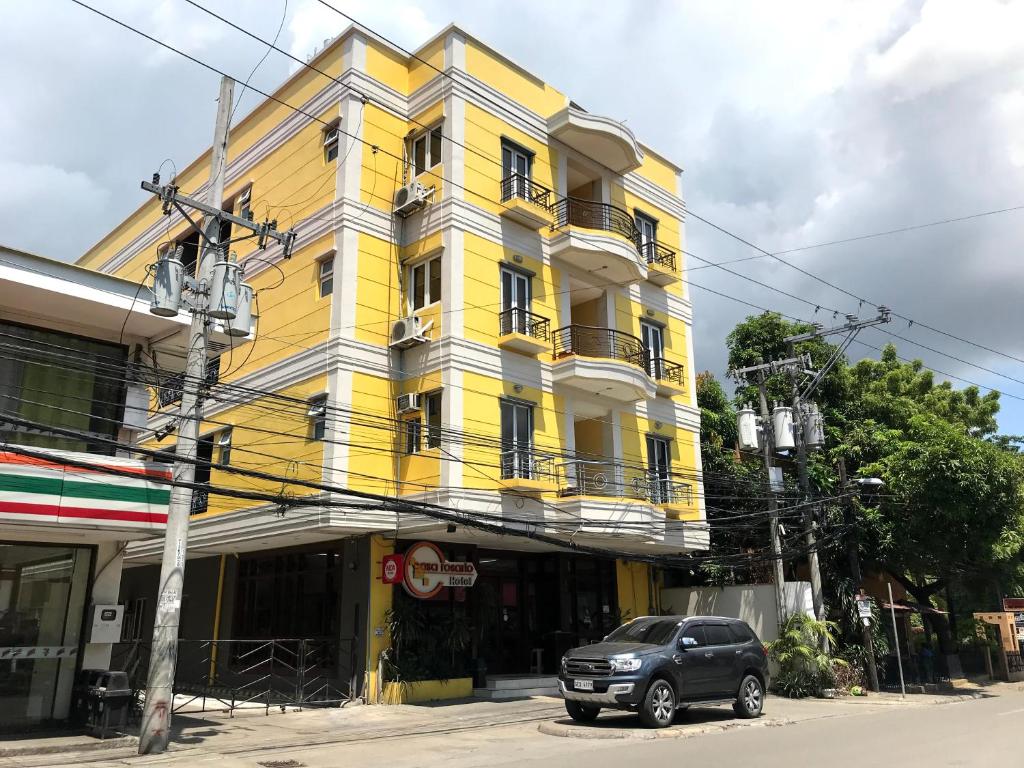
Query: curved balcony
[598, 236]
[523, 331]
[608, 141]
[525, 201]
[601, 361]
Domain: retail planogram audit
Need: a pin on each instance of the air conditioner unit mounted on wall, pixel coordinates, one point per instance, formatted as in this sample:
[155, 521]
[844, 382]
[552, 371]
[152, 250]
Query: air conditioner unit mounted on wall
[409, 403]
[409, 198]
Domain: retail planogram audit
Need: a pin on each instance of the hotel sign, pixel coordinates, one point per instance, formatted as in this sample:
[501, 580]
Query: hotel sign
[426, 572]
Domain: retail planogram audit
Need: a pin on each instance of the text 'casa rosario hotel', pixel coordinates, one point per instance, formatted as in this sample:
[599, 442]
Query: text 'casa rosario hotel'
[485, 310]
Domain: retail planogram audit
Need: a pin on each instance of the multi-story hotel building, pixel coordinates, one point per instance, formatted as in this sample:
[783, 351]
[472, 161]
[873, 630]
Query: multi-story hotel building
[486, 310]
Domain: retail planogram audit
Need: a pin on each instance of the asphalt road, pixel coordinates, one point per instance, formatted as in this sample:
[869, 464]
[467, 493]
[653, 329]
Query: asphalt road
[985, 732]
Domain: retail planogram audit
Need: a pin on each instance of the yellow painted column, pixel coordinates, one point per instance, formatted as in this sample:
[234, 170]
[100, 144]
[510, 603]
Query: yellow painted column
[633, 588]
[377, 639]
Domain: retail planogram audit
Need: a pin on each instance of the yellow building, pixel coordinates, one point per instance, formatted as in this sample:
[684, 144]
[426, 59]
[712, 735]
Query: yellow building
[486, 310]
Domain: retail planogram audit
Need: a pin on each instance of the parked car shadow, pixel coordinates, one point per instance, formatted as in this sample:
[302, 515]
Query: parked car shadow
[630, 721]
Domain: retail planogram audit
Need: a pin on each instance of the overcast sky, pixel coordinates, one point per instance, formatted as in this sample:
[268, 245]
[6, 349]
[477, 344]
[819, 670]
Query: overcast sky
[797, 123]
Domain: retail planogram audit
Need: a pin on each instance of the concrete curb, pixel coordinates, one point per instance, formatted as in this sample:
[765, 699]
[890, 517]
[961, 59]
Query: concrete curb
[581, 731]
[120, 742]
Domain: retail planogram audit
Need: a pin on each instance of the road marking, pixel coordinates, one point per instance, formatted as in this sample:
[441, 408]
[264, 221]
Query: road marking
[1012, 712]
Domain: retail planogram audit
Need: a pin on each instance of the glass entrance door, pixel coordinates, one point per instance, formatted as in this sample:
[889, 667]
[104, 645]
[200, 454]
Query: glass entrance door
[653, 338]
[42, 599]
[515, 300]
[659, 469]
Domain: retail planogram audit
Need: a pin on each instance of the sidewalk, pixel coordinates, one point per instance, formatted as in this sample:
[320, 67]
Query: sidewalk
[254, 736]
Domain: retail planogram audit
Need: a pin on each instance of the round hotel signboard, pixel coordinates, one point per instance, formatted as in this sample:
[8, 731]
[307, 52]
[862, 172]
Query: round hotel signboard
[427, 572]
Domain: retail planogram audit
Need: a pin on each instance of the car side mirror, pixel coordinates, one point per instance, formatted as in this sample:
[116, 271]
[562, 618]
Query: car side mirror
[686, 643]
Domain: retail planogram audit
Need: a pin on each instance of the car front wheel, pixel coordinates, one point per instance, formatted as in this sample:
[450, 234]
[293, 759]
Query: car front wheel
[582, 713]
[659, 707]
[750, 700]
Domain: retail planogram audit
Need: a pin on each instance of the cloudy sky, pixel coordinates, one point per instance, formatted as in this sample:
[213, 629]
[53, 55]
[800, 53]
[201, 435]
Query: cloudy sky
[798, 123]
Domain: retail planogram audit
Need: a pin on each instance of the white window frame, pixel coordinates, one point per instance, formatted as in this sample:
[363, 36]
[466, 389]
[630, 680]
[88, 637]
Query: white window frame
[426, 139]
[224, 448]
[243, 203]
[433, 433]
[332, 142]
[428, 297]
[325, 262]
[412, 436]
[317, 415]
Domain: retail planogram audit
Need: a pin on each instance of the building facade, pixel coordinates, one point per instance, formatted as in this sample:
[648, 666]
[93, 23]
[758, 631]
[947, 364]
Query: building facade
[486, 311]
[70, 499]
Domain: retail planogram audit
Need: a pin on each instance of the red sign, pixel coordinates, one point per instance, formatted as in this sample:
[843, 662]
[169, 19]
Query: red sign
[1013, 603]
[427, 572]
[392, 569]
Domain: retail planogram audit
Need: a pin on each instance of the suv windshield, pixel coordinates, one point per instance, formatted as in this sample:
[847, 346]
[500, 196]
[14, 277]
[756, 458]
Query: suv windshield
[656, 632]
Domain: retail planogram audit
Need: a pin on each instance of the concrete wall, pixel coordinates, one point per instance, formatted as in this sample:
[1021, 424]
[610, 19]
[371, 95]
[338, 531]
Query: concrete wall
[753, 604]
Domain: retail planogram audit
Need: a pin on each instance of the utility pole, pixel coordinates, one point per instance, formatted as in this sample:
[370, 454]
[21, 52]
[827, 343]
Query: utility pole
[854, 556]
[156, 717]
[768, 449]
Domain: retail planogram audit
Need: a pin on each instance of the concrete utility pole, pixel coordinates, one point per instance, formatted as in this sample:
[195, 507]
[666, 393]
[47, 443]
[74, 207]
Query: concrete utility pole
[854, 556]
[768, 449]
[156, 716]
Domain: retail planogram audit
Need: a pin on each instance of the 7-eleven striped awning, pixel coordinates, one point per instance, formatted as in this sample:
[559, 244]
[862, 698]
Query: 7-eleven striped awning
[51, 491]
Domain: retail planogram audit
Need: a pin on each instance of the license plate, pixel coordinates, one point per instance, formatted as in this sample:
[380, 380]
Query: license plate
[583, 685]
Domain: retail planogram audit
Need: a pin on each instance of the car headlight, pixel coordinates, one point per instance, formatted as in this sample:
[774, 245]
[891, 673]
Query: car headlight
[625, 665]
[565, 660]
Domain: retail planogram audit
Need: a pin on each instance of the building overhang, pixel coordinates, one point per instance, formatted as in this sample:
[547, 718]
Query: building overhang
[604, 377]
[609, 257]
[605, 140]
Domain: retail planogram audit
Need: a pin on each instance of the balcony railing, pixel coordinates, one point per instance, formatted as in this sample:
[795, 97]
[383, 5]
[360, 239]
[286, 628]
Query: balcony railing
[515, 185]
[656, 253]
[519, 320]
[589, 214]
[660, 369]
[585, 477]
[598, 342]
[525, 464]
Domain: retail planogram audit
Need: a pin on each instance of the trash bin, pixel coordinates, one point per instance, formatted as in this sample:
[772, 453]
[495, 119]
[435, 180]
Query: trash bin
[100, 701]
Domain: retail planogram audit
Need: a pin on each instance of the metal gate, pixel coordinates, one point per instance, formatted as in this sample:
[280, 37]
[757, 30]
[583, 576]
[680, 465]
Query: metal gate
[284, 672]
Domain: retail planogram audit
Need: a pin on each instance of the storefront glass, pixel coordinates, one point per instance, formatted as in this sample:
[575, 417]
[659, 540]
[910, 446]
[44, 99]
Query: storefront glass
[42, 598]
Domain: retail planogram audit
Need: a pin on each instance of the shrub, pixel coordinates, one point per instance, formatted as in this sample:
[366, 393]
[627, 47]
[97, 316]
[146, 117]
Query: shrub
[804, 668]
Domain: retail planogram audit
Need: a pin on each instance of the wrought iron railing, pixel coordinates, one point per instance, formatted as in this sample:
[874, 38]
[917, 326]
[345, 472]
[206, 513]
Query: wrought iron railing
[525, 464]
[656, 253]
[660, 369]
[516, 185]
[589, 214]
[598, 342]
[586, 477]
[519, 320]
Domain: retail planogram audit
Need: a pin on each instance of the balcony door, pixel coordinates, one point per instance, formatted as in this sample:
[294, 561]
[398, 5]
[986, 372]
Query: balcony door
[516, 439]
[659, 469]
[515, 301]
[653, 338]
[515, 166]
[648, 231]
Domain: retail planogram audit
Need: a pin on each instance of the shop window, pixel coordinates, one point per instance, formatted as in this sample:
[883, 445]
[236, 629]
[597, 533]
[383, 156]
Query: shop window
[432, 408]
[317, 415]
[424, 283]
[426, 150]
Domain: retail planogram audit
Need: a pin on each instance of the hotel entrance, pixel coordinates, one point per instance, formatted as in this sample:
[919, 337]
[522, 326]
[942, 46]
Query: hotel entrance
[524, 611]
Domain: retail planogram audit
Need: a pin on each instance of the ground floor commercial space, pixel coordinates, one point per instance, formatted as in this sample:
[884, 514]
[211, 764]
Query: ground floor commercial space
[49, 593]
[361, 623]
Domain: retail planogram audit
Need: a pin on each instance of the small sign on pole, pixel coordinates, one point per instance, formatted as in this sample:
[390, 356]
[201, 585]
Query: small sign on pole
[864, 609]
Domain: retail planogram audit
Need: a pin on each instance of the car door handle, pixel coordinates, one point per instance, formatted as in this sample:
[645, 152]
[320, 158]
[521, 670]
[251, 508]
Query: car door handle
[739, 653]
[709, 655]
[677, 658]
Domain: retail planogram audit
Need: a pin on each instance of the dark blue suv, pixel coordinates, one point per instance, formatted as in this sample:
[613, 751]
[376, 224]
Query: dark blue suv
[656, 665]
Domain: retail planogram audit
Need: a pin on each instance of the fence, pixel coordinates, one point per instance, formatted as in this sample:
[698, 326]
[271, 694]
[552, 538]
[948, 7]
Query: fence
[297, 672]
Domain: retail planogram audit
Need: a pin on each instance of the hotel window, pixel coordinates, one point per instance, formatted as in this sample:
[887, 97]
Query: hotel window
[432, 408]
[413, 435]
[326, 273]
[331, 143]
[317, 414]
[516, 439]
[425, 284]
[224, 441]
[244, 203]
[426, 150]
